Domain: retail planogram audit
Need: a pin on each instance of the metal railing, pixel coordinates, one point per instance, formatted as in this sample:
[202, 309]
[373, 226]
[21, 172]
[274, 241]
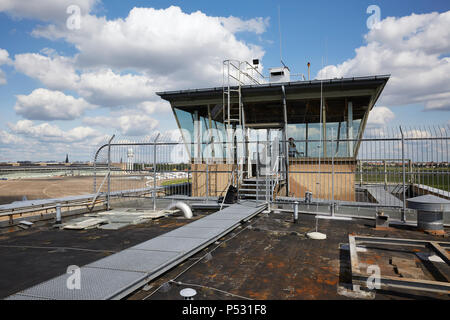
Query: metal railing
[392, 165]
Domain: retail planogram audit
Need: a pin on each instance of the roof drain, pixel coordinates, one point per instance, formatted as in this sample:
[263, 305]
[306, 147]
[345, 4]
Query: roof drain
[183, 207]
[188, 293]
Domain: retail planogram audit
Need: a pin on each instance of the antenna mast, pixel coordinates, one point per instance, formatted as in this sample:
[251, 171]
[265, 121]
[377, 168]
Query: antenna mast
[279, 31]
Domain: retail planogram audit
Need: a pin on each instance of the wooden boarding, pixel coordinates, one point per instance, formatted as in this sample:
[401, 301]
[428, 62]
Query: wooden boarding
[304, 176]
[218, 178]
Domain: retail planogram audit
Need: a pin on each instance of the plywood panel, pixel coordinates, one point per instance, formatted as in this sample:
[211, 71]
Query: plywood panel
[304, 176]
[218, 177]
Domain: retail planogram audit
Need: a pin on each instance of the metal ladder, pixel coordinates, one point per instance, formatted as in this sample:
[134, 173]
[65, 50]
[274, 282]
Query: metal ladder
[232, 83]
[235, 75]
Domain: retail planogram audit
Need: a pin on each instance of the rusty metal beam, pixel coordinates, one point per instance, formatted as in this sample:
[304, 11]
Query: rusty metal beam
[396, 282]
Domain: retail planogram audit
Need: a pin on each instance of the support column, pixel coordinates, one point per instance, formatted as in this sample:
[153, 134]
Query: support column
[286, 148]
[324, 128]
[350, 128]
[197, 140]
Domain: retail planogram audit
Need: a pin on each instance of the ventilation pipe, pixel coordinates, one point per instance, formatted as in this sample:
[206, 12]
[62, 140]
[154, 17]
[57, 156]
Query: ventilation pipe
[58, 214]
[183, 207]
[309, 67]
[295, 211]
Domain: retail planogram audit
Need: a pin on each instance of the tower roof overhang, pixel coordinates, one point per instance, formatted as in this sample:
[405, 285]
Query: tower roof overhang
[369, 87]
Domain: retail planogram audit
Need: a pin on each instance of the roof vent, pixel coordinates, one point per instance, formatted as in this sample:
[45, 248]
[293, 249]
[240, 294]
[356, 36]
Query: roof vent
[281, 74]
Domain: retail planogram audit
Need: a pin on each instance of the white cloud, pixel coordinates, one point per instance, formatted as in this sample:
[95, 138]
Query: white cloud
[7, 138]
[170, 45]
[2, 77]
[106, 88]
[120, 64]
[131, 125]
[414, 50]
[380, 116]
[255, 25]
[43, 104]
[103, 86]
[417, 133]
[150, 50]
[55, 72]
[4, 59]
[151, 107]
[51, 133]
[46, 10]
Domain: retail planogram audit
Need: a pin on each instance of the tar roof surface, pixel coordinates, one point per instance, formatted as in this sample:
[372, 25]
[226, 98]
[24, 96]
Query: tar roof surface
[268, 257]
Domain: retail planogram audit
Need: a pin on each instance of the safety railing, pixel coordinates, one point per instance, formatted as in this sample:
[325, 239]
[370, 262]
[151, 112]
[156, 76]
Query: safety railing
[390, 166]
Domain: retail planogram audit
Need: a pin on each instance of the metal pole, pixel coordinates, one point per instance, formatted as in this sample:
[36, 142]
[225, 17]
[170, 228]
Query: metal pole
[207, 180]
[332, 173]
[58, 213]
[286, 148]
[109, 173]
[154, 172]
[268, 187]
[404, 175]
[257, 167]
[295, 211]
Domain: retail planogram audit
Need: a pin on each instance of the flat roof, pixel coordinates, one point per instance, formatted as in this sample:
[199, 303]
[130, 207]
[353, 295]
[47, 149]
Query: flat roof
[268, 258]
[326, 83]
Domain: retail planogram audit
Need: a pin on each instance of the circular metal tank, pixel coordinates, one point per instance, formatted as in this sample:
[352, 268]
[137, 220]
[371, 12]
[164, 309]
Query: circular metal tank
[430, 212]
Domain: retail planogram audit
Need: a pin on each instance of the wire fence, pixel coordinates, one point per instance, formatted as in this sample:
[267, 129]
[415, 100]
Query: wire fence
[388, 166]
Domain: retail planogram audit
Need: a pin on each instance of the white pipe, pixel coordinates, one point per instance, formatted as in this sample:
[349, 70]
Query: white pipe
[58, 213]
[183, 207]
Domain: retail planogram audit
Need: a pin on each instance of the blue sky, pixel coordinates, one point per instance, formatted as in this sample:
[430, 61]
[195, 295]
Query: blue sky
[63, 90]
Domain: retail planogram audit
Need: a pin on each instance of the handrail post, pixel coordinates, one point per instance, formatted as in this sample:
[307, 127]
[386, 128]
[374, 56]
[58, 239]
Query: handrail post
[404, 176]
[332, 172]
[154, 172]
[109, 174]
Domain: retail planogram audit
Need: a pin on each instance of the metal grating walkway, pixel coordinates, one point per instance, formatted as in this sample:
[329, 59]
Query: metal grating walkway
[383, 197]
[119, 274]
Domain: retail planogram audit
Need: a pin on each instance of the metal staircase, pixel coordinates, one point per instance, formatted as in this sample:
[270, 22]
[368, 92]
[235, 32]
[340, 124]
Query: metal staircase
[256, 189]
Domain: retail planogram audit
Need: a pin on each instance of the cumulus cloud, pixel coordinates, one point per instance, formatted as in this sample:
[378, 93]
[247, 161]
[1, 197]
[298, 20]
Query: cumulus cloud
[255, 25]
[48, 132]
[141, 54]
[43, 104]
[56, 72]
[4, 59]
[7, 138]
[106, 88]
[131, 125]
[414, 50]
[147, 51]
[103, 87]
[45, 10]
[380, 116]
[151, 107]
[167, 44]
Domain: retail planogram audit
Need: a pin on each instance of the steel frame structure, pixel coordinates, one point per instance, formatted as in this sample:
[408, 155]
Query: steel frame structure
[440, 248]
